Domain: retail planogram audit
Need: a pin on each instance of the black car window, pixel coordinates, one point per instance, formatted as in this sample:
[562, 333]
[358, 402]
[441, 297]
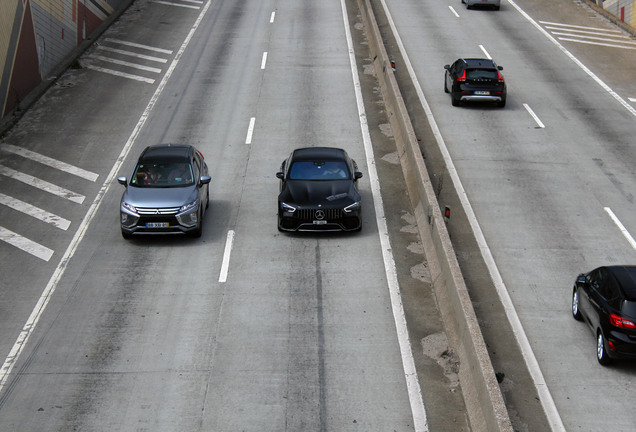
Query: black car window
[605, 283]
[481, 74]
[319, 170]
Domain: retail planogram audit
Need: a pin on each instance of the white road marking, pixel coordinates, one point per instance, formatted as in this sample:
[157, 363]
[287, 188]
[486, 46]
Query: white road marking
[41, 184]
[420, 422]
[125, 63]
[120, 74]
[453, 11]
[621, 227]
[36, 212]
[133, 54]
[250, 131]
[264, 60]
[176, 4]
[53, 163]
[532, 364]
[597, 43]
[225, 266]
[578, 26]
[271, 18]
[534, 116]
[632, 99]
[136, 45]
[29, 246]
[49, 290]
[573, 32]
[585, 69]
[481, 47]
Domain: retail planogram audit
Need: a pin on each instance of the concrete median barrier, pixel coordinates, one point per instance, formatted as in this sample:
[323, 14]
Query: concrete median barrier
[482, 395]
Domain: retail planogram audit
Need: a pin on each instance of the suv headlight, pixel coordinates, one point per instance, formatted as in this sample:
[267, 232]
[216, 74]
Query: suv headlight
[288, 208]
[352, 207]
[189, 206]
[129, 207]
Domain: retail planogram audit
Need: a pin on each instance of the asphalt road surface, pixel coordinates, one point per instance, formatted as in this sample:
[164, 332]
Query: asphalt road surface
[245, 328]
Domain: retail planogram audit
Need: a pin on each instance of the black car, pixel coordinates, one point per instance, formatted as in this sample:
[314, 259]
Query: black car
[473, 79]
[318, 191]
[168, 191]
[605, 299]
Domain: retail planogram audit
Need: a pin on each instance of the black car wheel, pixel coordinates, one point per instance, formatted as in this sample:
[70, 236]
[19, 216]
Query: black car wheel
[601, 350]
[501, 103]
[445, 86]
[126, 235]
[575, 305]
[455, 101]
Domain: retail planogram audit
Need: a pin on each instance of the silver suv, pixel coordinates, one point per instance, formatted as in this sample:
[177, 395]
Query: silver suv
[168, 191]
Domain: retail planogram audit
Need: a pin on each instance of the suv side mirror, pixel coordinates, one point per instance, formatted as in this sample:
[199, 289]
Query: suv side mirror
[280, 175]
[357, 175]
[121, 181]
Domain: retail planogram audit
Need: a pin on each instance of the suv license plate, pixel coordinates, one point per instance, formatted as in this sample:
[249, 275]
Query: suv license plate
[482, 93]
[320, 222]
[157, 225]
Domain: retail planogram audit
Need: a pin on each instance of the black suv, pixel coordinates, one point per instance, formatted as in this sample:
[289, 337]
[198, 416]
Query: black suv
[475, 80]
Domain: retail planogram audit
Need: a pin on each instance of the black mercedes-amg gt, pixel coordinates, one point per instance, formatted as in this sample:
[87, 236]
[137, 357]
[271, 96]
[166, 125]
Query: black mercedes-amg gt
[318, 191]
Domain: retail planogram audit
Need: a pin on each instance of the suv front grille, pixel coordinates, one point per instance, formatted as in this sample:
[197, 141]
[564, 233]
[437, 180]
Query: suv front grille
[147, 211]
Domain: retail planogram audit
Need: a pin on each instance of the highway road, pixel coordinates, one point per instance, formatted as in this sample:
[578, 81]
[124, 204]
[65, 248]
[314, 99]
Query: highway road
[245, 328]
[550, 180]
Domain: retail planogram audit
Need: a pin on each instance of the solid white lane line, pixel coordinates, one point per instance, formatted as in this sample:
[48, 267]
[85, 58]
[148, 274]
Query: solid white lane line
[271, 18]
[136, 45]
[120, 74]
[29, 246]
[225, 266]
[418, 411]
[133, 54]
[534, 116]
[250, 131]
[38, 213]
[125, 63]
[632, 99]
[50, 288]
[53, 163]
[454, 11]
[175, 4]
[585, 69]
[621, 227]
[42, 185]
[264, 60]
[481, 47]
[547, 402]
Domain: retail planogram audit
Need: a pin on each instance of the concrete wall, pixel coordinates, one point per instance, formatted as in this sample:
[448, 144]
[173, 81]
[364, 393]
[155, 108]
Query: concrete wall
[40, 38]
[622, 12]
[482, 395]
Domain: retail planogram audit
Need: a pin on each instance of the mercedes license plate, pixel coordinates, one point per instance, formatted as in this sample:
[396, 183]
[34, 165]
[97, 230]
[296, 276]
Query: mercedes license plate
[320, 222]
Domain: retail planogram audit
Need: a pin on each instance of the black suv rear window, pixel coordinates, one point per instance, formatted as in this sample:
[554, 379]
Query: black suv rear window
[478, 74]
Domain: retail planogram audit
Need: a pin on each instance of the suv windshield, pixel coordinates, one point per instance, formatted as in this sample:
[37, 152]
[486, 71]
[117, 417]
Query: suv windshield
[318, 170]
[162, 175]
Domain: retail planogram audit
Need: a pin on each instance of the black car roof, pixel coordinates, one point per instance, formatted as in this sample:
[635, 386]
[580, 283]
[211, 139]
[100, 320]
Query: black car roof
[167, 152]
[319, 153]
[625, 276]
[476, 62]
